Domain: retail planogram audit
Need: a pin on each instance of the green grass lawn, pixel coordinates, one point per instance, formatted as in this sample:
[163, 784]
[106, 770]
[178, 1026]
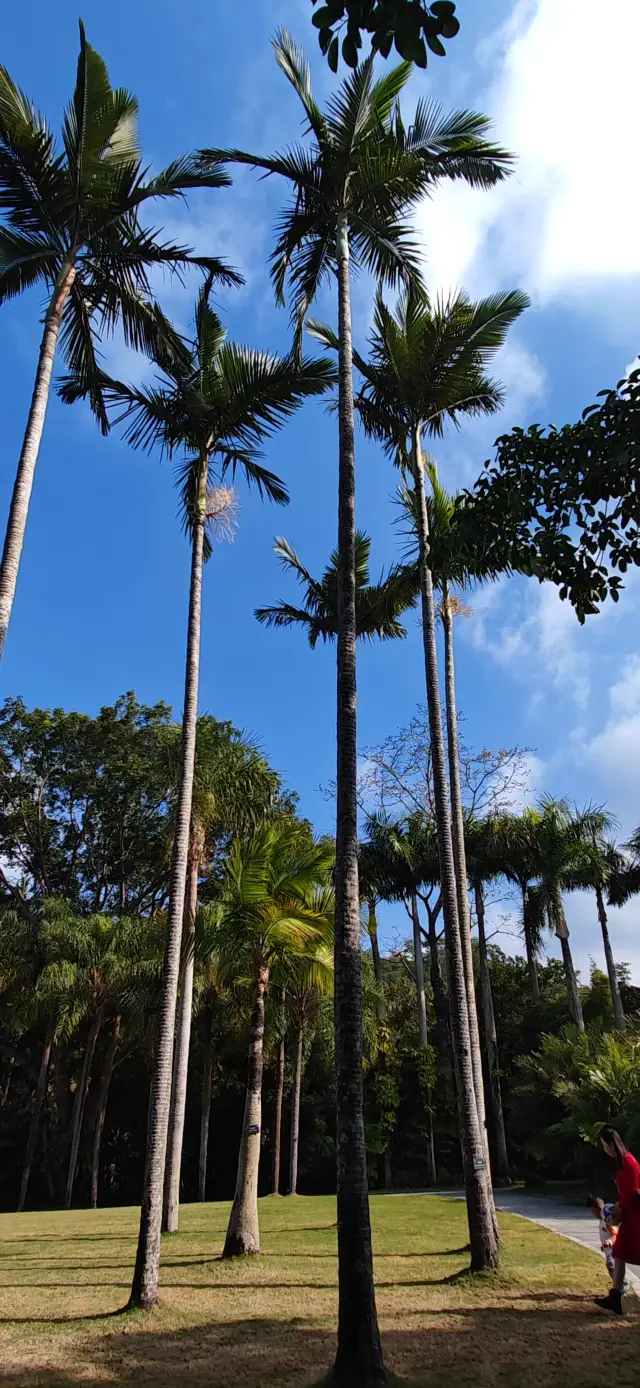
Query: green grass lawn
[271, 1320]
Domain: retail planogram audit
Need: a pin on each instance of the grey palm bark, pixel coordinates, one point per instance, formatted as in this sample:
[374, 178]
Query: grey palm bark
[532, 967]
[243, 1233]
[422, 1027]
[372, 931]
[440, 1001]
[491, 1042]
[144, 1291]
[573, 991]
[103, 1098]
[205, 1108]
[171, 1207]
[277, 1121]
[460, 862]
[482, 1235]
[295, 1112]
[359, 1353]
[618, 1009]
[19, 510]
[34, 1126]
[79, 1102]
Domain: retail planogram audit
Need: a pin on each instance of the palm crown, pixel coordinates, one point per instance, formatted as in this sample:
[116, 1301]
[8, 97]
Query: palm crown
[379, 606]
[361, 173]
[75, 215]
[217, 404]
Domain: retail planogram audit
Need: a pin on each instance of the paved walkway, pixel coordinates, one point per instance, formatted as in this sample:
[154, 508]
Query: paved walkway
[570, 1221]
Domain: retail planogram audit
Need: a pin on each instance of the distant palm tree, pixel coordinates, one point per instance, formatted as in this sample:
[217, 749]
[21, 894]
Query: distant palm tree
[214, 407]
[483, 858]
[263, 914]
[379, 606]
[72, 224]
[600, 870]
[309, 984]
[427, 364]
[519, 858]
[352, 187]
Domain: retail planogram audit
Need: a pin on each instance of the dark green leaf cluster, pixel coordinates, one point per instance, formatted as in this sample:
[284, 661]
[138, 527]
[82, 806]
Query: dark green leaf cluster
[413, 26]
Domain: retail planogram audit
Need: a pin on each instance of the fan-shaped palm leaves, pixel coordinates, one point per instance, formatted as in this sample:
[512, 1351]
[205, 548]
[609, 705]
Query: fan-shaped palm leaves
[71, 224]
[352, 186]
[379, 606]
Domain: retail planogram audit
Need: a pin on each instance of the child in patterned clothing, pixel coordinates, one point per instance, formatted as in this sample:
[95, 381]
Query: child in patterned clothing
[607, 1228]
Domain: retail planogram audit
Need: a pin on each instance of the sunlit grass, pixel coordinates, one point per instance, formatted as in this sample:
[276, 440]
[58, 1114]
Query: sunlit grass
[271, 1320]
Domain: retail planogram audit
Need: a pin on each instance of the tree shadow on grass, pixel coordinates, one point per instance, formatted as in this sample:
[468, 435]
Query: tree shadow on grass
[552, 1341]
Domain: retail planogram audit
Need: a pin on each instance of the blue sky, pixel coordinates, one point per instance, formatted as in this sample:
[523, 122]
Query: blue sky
[101, 601]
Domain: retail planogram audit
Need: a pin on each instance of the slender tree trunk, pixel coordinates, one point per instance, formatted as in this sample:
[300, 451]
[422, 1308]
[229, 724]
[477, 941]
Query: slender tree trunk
[575, 1004]
[484, 1245]
[359, 1362]
[19, 510]
[295, 1112]
[491, 1043]
[205, 1111]
[102, 1109]
[460, 862]
[618, 1009]
[441, 1004]
[171, 1210]
[79, 1102]
[144, 1291]
[419, 967]
[243, 1233]
[372, 931]
[34, 1126]
[529, 946]
[277, 1133]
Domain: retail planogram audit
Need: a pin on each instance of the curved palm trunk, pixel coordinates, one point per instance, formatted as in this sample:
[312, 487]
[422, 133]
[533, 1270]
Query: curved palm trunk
[79, 1102]
[19, 510]
[575, 1004]
[205, 1111]
[532, 966]
[491, 1043]
[295, 1112]
[34, 1126]
[103, 1099]
[372, 931]
[618, 1009]
[277, 1130]
[144, 1291]
[460, 862]
[359, 1362]
[243, 1233]
[484, 1245]
[440, 1002]
[171, 1211]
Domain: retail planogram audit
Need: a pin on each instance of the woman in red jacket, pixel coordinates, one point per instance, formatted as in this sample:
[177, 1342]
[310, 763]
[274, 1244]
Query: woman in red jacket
[626, 1248]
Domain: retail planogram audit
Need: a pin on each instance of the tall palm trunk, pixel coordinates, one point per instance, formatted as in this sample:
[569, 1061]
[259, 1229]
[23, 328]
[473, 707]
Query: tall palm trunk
[144, 1291]
[491, 1044]
[19, 510]
[34, 1126]
[171, 1210]
[79, 1102]
[419, 968]
[295, 1111]
[460, 862]
[359, 1362]
[277, 1126]
[205, 1110]
[532, 966]
[618, 1009]
[243, 1233]
[103, 1099]
[575, 1004]
[372, 931]
[484, 1245]
[440, 1002]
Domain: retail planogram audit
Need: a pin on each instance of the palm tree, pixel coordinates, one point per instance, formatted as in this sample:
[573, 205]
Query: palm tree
[519, 859]
[428, 364]
[72, 224]
[379, 606]
[233, 789]
[602, 866]
[214, 408]
[262, 913]
[352, 189]
[309, 982]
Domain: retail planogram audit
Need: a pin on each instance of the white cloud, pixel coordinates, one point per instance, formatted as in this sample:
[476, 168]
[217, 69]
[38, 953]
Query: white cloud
[565, 101]
[614, 753]
[529, 629]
